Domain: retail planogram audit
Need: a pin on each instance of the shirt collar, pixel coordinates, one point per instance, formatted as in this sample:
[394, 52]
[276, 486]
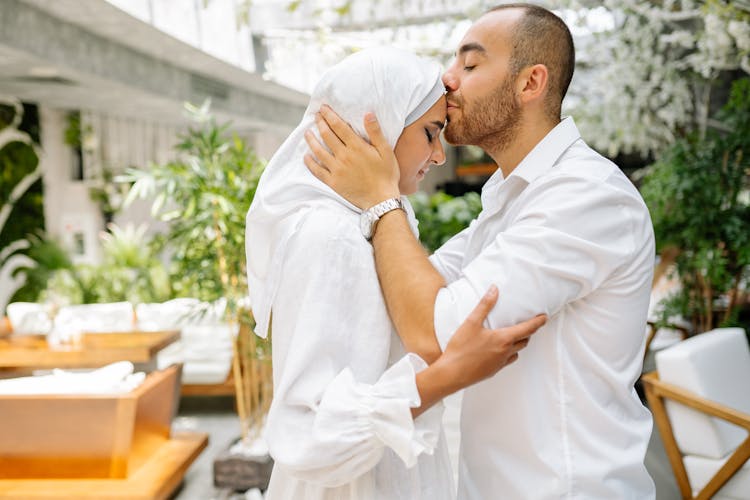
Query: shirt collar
[547, 151]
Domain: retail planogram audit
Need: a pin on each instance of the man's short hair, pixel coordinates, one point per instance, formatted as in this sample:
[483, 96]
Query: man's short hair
[540, 37]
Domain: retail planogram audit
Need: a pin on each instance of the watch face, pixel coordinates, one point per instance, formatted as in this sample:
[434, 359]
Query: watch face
[365, 224]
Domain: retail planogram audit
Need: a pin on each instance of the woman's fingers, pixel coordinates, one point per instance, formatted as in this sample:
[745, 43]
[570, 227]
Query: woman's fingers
[524, 330]
[483, 308]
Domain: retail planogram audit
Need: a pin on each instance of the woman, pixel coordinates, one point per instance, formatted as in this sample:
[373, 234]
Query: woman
[340, 424]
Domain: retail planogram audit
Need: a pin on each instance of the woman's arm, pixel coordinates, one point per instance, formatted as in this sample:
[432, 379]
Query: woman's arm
[335, 409]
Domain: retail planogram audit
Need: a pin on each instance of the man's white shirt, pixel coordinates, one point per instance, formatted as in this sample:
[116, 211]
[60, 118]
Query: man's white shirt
[568, 235]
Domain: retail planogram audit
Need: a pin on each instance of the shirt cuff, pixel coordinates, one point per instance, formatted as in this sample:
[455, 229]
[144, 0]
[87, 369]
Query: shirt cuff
[384, 409]
[452, 306]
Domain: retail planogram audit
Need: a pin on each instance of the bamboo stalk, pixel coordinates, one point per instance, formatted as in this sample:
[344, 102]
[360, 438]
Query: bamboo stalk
[249, 362]
[254, 388]
[238, 386]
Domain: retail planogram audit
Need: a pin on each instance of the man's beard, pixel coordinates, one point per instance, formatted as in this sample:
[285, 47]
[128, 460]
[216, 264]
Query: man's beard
[491, 122]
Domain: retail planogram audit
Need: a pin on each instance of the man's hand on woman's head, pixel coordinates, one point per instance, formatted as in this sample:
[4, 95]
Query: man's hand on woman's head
[363, 173]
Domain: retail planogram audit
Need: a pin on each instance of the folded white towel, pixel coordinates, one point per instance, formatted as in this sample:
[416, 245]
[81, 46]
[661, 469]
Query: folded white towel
[115, 378]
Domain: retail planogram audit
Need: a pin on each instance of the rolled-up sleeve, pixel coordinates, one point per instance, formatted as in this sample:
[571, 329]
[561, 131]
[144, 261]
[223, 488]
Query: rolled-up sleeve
[567, 238]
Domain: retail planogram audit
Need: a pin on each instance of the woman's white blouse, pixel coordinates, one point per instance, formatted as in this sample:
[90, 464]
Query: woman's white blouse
[340, 424]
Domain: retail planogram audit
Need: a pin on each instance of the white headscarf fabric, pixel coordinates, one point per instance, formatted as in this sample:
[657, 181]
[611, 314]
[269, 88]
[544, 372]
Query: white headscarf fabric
[397, 86]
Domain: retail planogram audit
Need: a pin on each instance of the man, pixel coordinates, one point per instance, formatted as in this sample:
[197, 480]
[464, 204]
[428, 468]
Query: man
[562, 232]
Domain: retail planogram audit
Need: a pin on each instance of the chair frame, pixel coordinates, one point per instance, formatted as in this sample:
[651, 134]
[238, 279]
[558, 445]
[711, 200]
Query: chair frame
[656, 392]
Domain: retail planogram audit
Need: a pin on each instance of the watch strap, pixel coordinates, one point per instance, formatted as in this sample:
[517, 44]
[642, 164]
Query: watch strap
[386, 206]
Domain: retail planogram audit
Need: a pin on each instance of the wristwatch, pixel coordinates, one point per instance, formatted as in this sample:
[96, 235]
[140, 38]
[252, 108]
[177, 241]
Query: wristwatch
[370, 217]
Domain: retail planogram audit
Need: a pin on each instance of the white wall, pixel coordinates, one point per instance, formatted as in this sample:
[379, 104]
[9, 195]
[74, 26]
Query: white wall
[69, 212]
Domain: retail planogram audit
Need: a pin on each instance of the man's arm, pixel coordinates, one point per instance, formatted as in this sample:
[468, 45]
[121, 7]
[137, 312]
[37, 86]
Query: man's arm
[474, 353]
[409, 281]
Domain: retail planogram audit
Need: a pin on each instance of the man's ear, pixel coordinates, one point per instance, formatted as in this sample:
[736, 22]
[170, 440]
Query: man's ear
[532, 83]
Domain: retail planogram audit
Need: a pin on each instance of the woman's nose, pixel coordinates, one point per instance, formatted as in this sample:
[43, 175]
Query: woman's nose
[438, 154]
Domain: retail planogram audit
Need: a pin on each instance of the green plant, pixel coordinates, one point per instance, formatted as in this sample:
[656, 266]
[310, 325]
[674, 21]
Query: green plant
[73, 130]
[21, 210]
[441, 216]
[699, 197]
[204, 197]
[48, 257]
[130, 271]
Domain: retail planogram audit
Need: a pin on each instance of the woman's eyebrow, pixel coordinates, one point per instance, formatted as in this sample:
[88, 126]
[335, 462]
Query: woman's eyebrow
[438, 124]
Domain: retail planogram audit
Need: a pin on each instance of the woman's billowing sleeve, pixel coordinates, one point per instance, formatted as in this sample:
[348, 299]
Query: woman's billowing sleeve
[337, 406]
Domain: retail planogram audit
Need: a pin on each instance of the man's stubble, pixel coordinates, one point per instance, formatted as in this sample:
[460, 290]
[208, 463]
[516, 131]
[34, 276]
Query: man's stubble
[492, 122]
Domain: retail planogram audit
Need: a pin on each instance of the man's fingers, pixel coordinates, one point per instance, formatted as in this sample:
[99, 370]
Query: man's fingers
[484, 307]
[330, 138]
[343, 130]
[317, 169]
[325, 158]
[375, 134]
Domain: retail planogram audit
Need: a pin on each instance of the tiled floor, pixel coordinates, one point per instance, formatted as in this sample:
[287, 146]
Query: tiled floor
[216, 416]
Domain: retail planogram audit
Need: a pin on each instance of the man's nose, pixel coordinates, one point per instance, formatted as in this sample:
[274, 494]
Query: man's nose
[449, 80]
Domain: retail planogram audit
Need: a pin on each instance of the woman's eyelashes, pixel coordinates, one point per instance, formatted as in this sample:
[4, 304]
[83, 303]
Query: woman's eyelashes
[430, 136]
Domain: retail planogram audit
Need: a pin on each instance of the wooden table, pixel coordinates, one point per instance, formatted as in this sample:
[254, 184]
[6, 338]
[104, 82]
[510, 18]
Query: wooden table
[28, 352]
[156, 479]
[127, 450]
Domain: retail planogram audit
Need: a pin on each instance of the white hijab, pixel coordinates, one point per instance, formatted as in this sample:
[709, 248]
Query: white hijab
[397, 86]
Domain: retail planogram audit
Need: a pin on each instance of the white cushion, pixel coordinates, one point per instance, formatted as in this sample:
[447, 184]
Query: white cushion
[716, 366]
[205, 351]
[28, 318]
[96, 318]
[700, 470]
[205, 372]
[176, 313]
[169, 315]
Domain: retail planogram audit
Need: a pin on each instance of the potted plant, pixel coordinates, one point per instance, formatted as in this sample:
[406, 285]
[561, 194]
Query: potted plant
[204, 196]
[698, 193]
